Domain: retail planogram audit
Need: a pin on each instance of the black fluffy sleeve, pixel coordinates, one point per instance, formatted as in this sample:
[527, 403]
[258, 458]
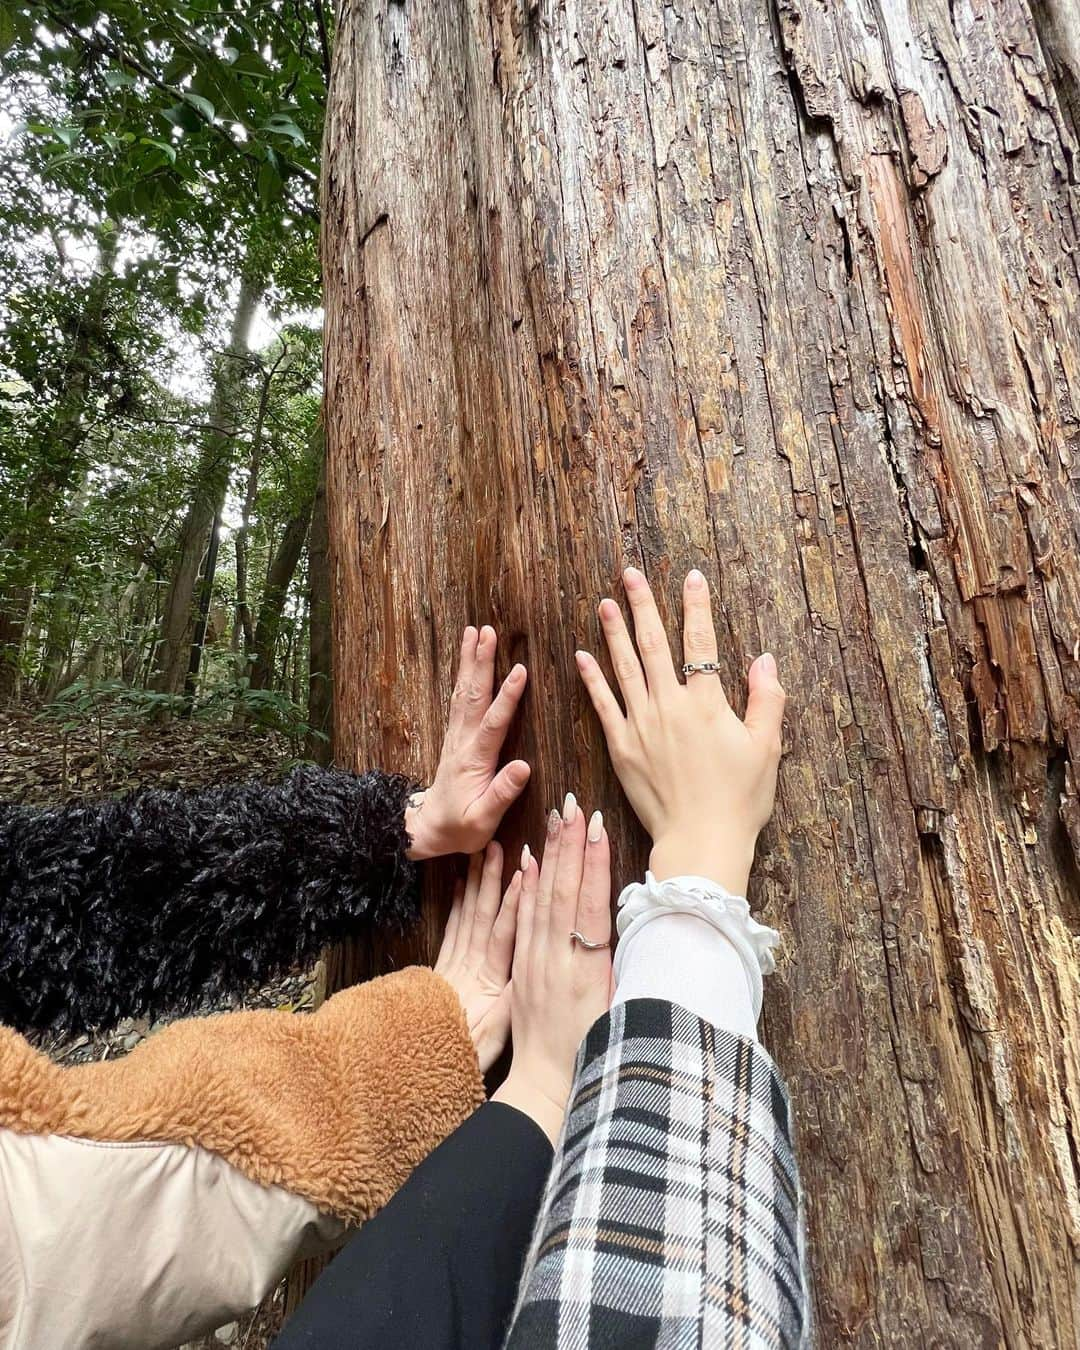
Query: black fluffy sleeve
[157, 901]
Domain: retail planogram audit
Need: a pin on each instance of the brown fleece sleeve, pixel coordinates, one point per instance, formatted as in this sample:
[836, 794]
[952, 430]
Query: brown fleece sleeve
[338, 1107]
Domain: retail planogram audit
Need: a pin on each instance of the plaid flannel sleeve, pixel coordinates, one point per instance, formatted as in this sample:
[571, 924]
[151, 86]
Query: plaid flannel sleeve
[673, 1214]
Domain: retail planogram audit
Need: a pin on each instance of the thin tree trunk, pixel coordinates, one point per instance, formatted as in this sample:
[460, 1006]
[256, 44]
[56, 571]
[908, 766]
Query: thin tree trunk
[320, 638]
[202, 612]
[278, 580]
[789, 293]
[244, 629]
[172, 659]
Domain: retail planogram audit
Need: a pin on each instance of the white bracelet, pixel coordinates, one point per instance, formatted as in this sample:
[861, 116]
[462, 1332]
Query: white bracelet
[641, 902]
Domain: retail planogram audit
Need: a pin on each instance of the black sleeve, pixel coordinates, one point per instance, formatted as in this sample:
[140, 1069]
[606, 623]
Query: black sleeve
[158, 900]
[438, 1268]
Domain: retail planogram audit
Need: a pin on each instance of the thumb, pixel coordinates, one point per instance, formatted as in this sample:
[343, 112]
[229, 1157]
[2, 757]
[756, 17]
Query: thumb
[503, 790]
[765, 704]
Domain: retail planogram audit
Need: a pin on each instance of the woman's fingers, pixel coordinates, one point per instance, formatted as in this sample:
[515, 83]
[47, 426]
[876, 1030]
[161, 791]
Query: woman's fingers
[765, 705]
[699, 633]
[495, 722]
[624, 659]
[503, 790]
[651, 638]
[593, 920]
[604, 701]
[500, 952]
[463, 680]
[530, 878]
[568, 873]
[448, 949]
[478, 692]
[545, 887]
[486, 904]
[468, 906]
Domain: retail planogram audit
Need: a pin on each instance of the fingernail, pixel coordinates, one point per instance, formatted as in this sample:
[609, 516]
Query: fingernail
[596, 827]
[526, 857]
[608, 608]
[768, 663]
[582, 658]
[517, 673]
[695, 578]
[569, 809]
[554, 823]
[631, 576]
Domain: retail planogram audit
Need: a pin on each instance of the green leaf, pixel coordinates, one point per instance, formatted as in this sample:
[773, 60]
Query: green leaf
[116, 78]
[270, 184]
[281, 125]
[252, 64]
[168, 150]
[7, 30]
[203, 105]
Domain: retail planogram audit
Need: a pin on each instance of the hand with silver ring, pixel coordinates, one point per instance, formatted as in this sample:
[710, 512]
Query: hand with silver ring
[701, 779]
[561, 978]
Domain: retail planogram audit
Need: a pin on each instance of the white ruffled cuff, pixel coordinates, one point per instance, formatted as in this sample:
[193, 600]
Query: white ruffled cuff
[644, 901]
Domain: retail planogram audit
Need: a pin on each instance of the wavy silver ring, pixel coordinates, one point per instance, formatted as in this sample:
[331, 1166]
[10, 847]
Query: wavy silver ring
[701, 667]
[575, 936]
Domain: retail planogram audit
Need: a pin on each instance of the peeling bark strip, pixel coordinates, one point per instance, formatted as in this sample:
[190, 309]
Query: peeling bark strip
[790, 294]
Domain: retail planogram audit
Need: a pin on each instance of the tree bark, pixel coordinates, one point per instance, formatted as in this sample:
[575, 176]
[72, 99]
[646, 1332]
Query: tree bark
[320, 639]
[788, 292]
[279, 576]
[208, 495]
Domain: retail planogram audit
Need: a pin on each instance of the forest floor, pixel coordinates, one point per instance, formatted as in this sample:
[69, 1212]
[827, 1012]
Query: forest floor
[43, 764]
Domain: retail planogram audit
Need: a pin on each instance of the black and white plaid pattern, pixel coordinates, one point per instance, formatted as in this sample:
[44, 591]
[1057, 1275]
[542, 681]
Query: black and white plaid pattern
[672, 1218]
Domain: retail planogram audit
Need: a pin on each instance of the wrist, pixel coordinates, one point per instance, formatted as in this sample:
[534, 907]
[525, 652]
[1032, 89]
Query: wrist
[542, 1101]
[705, 853]
[418, 828]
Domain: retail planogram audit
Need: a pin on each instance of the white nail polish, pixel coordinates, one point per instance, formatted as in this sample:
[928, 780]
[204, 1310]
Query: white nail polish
[526, 857]
[569, 808]
[596, 827]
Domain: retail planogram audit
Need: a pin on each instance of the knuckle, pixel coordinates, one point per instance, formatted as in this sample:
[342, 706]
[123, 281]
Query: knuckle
[652, 640]
[699, 642]
[626, 668]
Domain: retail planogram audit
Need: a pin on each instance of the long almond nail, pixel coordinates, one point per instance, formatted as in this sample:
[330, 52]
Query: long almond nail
[526, 857]
[569, 809]
[554, 823]
[596, 827]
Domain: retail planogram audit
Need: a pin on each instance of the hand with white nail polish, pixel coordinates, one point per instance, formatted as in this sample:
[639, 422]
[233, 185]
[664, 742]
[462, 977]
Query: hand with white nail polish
[461, 810]
[701, 780]
[558, 986]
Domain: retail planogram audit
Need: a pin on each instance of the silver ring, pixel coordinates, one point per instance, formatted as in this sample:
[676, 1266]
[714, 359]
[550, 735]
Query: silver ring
[701, 667]
[575, 936]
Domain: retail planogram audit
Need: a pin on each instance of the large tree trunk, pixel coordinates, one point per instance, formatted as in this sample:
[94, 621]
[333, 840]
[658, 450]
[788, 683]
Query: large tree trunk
[216, 456]
[788, 292]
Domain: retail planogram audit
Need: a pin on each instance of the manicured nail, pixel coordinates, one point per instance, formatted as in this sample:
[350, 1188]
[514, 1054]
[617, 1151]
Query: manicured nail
[569, 809]
[632, 576]
[695, 578]
[596, 827]
[526, 857]
[768, 663]
[554, 823]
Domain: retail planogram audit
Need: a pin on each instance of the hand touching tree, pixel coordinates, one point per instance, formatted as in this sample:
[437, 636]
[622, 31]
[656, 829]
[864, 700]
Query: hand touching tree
[461, 810]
